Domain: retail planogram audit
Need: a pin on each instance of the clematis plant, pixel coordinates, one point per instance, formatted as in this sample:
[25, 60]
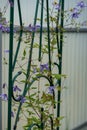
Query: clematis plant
[38, 101]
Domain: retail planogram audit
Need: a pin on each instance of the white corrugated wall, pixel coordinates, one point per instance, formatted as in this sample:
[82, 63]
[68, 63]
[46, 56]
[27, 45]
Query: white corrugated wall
[74, 103]
[74, 94]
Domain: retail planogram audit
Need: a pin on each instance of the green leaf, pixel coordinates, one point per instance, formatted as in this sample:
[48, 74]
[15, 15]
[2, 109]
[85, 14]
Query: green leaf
[24, 81]
[53, 42]
[59, 76]
[22, 58]
[36, 45]
[24, 53]
[60, 118]
[59, 88]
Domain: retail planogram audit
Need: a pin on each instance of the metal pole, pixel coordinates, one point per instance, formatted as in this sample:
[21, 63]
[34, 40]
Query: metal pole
[48, 33]
[60, 58]
[10, 65]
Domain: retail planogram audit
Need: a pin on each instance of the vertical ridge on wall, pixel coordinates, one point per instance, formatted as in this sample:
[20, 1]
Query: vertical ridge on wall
[0, 79]
[5, 43]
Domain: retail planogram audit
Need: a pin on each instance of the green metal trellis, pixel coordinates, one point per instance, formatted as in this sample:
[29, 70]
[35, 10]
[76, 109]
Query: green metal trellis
[12, 60]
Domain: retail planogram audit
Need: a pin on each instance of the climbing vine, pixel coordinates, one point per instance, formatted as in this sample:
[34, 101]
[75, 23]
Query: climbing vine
[35, 66]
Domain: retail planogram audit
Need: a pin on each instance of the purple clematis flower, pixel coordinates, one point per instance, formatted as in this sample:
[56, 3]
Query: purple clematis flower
[75, 13]
[16, 88]
[0, 26]
[12, 114]
[4, 97]
[11, 3]
[33, 28]
[7, 29]
[44, 67]
[51, 89]
[23, 99]
[56, 5]
[3, 29]
[6, 51]
[81, 4]
[4, 85]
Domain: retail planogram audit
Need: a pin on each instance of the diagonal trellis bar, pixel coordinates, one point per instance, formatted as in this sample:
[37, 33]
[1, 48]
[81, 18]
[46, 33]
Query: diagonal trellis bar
[29, 65]
[41, 29]
[11, 80]
[20, 37]
[48, 32]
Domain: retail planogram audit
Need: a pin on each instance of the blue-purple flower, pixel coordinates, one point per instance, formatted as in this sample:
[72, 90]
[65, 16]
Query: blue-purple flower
[6, 51]
[56, 5]
[4, 28]
[7, 29]
[11, 3]
[0, 26]
[16, 88]
[12, 114]
[51, 89]
[4, 85]
[44, 67]
[81, 4]
[4, 96]
[75, 13]
[33, 28]
[23, 99]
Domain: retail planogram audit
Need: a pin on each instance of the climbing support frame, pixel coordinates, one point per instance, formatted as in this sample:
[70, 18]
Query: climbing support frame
[12, 60]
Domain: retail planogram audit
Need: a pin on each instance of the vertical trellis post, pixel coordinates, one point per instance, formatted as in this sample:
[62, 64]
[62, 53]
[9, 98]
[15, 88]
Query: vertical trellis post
[60, 57]
[10, 89]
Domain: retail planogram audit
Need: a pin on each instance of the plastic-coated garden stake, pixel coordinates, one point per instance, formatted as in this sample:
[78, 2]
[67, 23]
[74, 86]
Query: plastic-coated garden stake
[41, 29]
[20, 37]
[42, 123]
[32, 42]
[57, 30]
[29, 65]
[10, 88]
[60, 57]
[48, 31]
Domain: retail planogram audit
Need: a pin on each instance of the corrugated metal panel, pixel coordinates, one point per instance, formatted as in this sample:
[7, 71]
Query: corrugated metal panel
[74, 103]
